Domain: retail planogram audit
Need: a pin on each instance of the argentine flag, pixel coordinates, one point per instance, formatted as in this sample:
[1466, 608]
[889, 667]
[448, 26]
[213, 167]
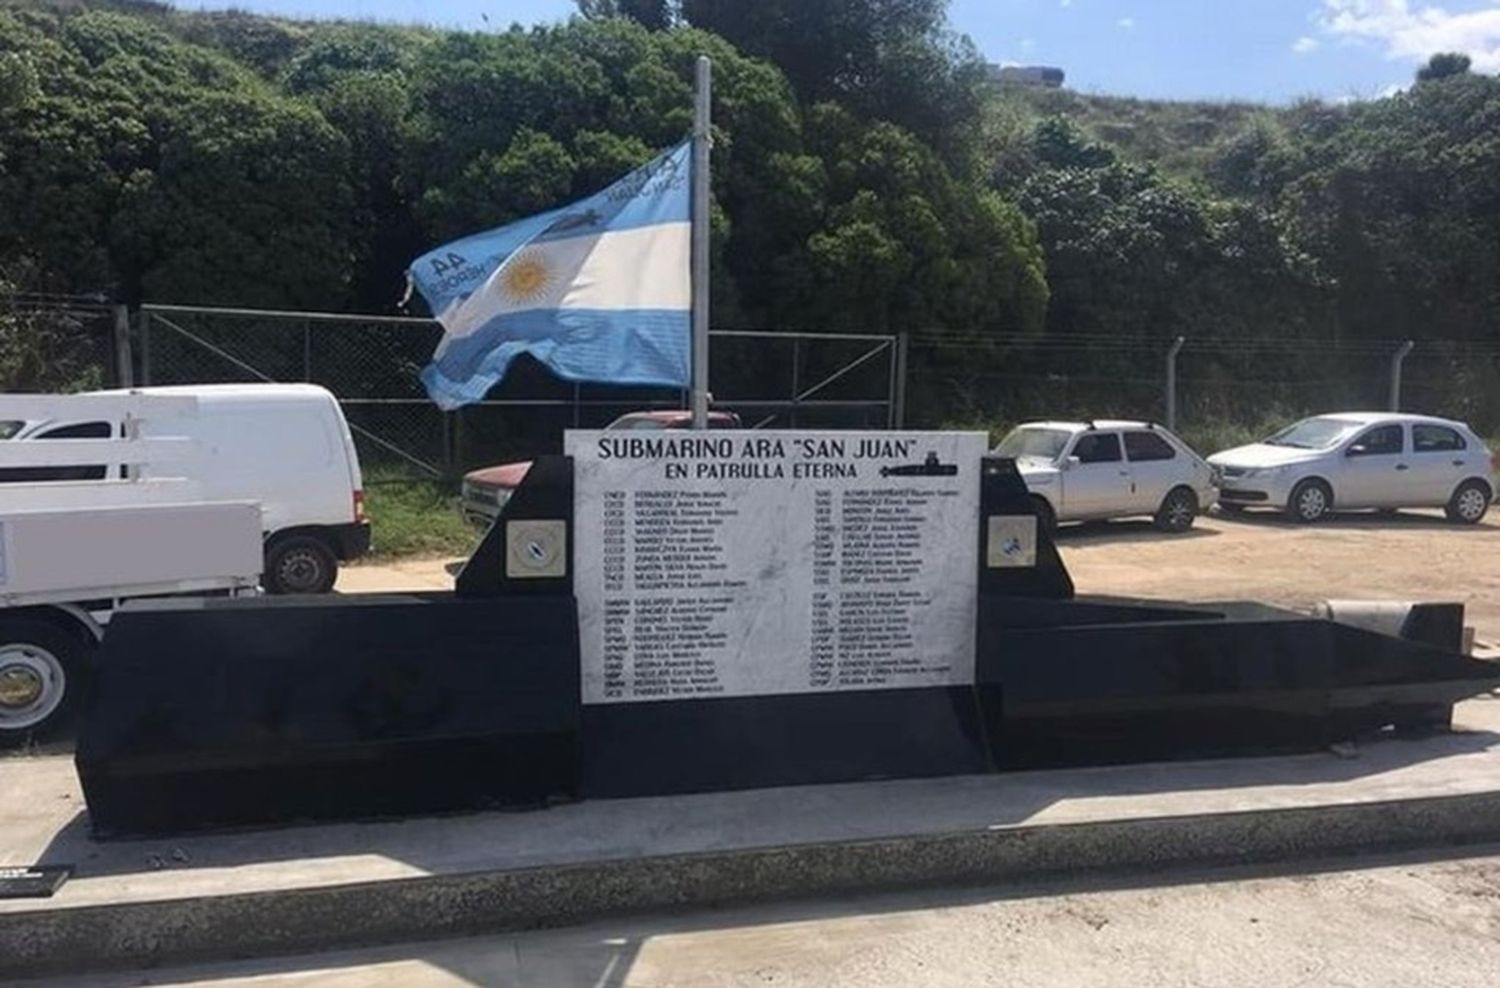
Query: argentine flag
[597, 291]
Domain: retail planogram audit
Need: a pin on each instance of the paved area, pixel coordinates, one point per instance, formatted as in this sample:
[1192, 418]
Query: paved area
[1396, 922]
[1408, 556]
[42, 820]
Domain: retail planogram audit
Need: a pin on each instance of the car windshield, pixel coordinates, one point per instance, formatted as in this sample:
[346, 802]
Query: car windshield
[1313, 434]
[9, 428]
[638, 422]
[1033, 444]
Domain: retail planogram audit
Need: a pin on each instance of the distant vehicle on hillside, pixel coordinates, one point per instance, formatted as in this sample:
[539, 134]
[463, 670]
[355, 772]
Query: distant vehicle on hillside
[1084, 471]
[1043, 76]
[1361, 460]
[486, 490]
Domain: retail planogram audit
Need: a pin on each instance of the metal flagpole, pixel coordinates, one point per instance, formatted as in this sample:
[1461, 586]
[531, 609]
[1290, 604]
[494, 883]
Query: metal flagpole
[702, 141]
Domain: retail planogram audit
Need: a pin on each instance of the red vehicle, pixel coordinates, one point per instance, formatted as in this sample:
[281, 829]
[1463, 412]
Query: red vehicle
[486, 490]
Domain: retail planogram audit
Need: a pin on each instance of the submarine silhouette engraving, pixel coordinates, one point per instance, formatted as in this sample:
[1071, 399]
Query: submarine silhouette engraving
[930, 467]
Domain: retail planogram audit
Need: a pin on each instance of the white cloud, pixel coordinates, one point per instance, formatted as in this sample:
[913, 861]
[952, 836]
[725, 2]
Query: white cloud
[1416, 33]
[1305, 45]
[1126, 23]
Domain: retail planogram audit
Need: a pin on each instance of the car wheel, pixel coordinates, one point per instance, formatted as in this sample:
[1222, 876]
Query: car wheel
[1311, 501]
[1469, 503]
[299, 564]
[42, 672]
[1046, 518]
[1177, 511]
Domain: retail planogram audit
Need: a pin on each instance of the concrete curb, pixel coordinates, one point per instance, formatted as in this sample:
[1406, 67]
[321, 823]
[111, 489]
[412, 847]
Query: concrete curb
[143, 934]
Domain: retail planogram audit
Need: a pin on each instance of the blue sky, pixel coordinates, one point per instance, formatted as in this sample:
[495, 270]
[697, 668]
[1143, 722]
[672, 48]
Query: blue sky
[1265, 50]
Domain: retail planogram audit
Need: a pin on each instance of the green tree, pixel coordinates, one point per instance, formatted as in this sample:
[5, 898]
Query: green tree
[1401, 205]
[893, 60]
[905, 245]
[1444, 66]
[145, 166]
[655, 15]
[248, 205]
[41, 348]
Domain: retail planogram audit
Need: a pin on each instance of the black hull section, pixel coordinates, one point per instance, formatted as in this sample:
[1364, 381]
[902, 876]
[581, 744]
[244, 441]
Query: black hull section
[231, 713]
[240, 712]
[636, 749]
[1117, 682]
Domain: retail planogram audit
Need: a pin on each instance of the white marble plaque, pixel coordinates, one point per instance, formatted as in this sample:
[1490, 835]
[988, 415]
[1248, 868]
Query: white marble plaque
[1010, 542]
[744, 563]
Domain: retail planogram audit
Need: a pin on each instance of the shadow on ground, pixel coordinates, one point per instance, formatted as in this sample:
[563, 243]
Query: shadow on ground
[1353, 521]
[1092, 532]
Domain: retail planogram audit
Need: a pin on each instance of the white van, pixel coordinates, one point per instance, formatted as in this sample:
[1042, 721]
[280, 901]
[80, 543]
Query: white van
[285, 446]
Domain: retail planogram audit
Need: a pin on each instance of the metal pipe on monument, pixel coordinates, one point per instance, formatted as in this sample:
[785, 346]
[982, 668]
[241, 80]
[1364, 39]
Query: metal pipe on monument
[702, 143]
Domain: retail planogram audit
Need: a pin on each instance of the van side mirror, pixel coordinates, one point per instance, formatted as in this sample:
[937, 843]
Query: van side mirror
[1070, 462]
[1358, 449]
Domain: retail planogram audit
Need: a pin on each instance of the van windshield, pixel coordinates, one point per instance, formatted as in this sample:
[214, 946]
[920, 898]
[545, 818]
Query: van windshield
[1033, 444]
[1320, 433]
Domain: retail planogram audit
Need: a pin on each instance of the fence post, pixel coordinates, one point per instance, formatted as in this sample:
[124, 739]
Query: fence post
[446, 439]
[458, 459]
[902, 341]
[1397, 359]
[143, 325]
[796, 375]
[124, 363]
[1171, 396]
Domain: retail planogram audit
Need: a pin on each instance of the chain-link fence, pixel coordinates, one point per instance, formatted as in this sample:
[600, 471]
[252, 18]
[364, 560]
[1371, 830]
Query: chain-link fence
[1218, 392]
[372, 364]
[59, 343]
[1224, 391]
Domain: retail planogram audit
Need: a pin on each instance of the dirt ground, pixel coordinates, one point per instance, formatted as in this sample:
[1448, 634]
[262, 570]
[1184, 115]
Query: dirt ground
[1408, 556]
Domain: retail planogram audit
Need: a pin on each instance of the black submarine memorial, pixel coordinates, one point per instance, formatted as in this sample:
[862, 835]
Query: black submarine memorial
[663, 613]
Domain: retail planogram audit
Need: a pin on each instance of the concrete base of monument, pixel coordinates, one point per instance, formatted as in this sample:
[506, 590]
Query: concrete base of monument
[139, 903]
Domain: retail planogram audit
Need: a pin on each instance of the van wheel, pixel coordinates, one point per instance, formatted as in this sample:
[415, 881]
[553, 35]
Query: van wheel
[1470, 503]
[1177, 511]
[42, 673]
[299, 564]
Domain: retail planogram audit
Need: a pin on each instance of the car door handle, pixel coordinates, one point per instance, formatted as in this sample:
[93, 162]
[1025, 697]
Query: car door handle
[1402, 466]
[1458, 463]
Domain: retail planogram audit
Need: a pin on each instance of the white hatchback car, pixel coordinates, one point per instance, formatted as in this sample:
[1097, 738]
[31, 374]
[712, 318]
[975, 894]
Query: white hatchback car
[1082, 471]
[1379, 460]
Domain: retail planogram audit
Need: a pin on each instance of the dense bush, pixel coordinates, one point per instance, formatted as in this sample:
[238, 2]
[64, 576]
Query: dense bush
[866, 179]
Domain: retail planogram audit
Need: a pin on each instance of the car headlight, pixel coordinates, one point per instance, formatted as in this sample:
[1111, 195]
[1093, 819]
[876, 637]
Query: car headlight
[1267, 471]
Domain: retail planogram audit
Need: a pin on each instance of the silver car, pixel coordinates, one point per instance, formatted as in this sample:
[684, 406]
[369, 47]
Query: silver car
[1361, 460]
[1081, 471]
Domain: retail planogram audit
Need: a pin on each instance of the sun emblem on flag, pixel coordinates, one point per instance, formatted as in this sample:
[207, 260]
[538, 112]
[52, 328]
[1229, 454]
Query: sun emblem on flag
[527, 278]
